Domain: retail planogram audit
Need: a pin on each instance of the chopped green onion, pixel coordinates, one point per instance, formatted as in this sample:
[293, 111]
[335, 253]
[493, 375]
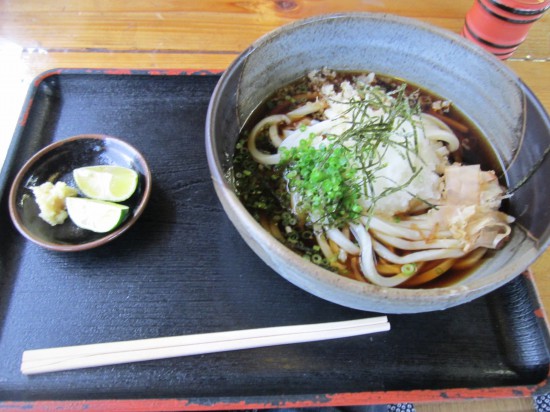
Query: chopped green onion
[293, 237]
[331, 179]
[307, 234]
[409, 269]
[317, 259]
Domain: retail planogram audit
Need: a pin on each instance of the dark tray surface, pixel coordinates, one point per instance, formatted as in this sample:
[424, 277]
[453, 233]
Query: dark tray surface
[184, 269]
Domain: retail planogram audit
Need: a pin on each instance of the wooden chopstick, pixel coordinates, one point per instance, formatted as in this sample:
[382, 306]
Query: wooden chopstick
[101, 354]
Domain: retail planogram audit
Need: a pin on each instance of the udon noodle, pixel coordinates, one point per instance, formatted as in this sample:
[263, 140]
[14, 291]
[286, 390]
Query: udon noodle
[364, 176]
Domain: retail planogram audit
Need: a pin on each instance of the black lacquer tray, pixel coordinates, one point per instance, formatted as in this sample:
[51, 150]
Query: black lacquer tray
[184, 269]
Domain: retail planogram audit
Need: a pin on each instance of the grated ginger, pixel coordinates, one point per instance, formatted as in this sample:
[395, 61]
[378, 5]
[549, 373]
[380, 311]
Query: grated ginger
[51, 201]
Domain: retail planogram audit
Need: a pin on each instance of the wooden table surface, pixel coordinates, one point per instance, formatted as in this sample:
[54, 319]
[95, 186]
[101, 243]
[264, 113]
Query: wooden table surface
[208, 34]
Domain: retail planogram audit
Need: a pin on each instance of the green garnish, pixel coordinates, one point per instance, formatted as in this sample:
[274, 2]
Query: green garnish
[409, 269]
[331, 179]
[323, 178]
[317, 259]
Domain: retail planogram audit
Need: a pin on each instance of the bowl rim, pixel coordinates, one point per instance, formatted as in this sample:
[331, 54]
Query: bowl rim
[28, 165]
[402, 20]
[429, 299]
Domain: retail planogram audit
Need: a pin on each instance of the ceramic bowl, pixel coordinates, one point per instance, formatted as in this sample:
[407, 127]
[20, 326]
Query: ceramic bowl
[56, 163]
[477, 83]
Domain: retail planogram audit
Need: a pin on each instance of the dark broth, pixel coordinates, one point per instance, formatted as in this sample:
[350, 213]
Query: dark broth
[259, 187]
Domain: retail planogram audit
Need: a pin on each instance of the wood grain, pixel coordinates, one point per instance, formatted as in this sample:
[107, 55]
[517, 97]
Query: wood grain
[185, 26]
[502, 405]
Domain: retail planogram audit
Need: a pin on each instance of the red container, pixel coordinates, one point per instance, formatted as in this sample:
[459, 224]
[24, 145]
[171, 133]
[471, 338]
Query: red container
[500, 26]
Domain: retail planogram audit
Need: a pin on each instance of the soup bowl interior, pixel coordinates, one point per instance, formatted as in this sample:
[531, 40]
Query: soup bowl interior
[479, 85]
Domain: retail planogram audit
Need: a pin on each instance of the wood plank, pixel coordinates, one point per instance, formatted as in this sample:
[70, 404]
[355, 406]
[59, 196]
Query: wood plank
[186, 26]
[537, 77]
[258, 8]
[498, 405]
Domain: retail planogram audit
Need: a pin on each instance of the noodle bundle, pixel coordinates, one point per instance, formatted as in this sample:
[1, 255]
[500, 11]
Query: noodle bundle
[364, 177]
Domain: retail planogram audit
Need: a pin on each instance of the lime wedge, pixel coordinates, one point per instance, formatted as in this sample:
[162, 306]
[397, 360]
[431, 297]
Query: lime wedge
[95, 215]
[112, 183]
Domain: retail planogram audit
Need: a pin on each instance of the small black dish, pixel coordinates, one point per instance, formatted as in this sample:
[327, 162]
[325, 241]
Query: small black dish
[56, 163]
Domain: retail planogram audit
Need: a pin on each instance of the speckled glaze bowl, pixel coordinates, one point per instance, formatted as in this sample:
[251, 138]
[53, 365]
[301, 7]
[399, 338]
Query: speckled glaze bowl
[478, 84]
